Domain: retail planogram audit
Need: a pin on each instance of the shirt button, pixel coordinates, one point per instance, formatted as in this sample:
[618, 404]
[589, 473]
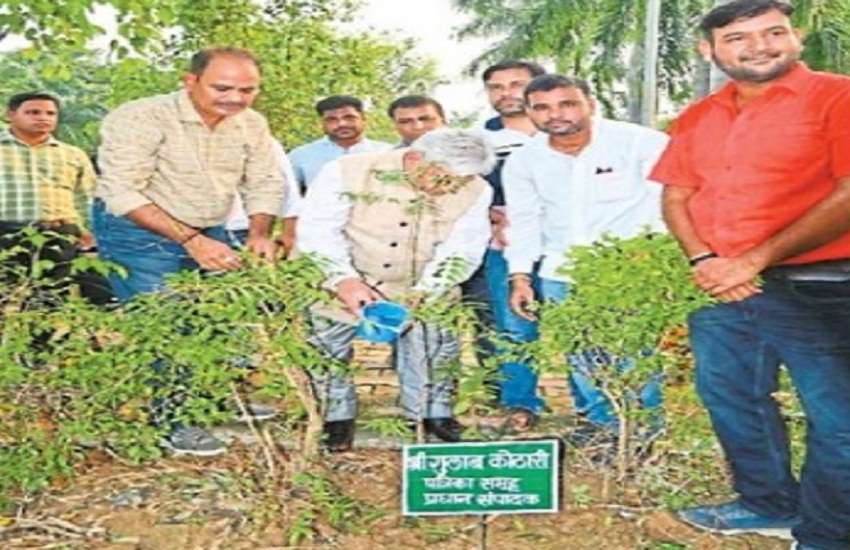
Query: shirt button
[403, 224]
[387, 266]
[393, 245]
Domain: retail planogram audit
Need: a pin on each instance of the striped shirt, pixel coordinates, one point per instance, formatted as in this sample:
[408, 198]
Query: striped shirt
[158, 150]
[50, 181]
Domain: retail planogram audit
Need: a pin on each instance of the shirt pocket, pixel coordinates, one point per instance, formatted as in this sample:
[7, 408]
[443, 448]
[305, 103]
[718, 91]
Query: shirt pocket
[790, 146]
[56, 176]
[612, 186]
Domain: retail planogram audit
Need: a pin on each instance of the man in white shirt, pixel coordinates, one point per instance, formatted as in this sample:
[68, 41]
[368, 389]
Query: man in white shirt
[504, 83]
[344, 125]
[415, 115]
[361, 218]
[585, 176]
[237, 221]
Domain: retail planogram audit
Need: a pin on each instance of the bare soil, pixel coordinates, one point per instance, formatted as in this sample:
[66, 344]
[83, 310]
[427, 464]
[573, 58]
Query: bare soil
[228, 503]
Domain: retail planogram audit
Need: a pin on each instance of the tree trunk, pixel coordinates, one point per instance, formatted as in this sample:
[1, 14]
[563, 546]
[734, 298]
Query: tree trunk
[702, 79]
[635, 78]
[649, 97]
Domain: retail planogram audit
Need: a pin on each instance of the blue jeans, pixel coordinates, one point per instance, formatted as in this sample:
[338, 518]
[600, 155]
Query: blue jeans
[738, 348]
[518, 382]
[146, 256]
[589, 400]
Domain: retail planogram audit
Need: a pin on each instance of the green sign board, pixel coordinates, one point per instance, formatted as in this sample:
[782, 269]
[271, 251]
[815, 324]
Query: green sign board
[516, 477]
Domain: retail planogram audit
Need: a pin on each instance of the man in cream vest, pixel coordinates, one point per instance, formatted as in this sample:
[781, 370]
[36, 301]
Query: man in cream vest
[385, 224]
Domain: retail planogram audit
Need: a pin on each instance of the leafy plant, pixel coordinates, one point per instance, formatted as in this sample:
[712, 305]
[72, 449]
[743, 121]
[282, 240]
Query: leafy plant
[628, 300]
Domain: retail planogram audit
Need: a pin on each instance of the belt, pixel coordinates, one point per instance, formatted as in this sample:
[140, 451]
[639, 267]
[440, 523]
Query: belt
[828, 271]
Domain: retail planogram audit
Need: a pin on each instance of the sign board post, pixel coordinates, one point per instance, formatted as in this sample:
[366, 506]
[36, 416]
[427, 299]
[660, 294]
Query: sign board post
[509, 477]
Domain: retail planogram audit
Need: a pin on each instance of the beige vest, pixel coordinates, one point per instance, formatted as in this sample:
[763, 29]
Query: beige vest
[393, 235]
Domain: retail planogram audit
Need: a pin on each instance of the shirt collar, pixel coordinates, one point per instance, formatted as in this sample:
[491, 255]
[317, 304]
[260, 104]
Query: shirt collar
[6, 136]
[794, 81]
[187, 113]
[332, 143]
[596, 128]
[186, 109]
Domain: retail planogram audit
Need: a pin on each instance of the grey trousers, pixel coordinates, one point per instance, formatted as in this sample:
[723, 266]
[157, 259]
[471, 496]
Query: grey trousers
[417, 353]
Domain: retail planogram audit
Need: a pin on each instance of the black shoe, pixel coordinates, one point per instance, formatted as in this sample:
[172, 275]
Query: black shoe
[339, 435]
[447, 429]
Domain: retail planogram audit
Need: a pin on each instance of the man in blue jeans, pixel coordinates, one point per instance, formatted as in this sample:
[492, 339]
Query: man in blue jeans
[757, 192]
[586, 176]
[508, 132]
[171, 167]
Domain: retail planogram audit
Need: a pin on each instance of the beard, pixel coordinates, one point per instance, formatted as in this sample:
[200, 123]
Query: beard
[510, 107]
[747, 74]
[565, 128]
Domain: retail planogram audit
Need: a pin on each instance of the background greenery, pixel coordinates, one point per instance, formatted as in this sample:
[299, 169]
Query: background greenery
[602, 41]
[304, 53]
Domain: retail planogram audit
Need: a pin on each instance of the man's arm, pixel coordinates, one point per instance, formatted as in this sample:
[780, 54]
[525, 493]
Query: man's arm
[822, 224]
[324, 213]
[83, 193]
[291, 201]
[207, 252]
[466, 241]
[262, 190]
[675, 209]
[524, 233]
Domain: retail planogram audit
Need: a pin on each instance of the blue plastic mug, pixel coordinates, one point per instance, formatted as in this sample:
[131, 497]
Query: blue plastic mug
[382, 322]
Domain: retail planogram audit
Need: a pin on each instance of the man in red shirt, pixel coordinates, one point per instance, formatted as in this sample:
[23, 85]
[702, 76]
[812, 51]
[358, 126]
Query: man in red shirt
[757, 191]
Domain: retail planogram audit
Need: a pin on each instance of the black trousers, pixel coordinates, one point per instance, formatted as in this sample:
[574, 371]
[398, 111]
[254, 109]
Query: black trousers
[60, 248]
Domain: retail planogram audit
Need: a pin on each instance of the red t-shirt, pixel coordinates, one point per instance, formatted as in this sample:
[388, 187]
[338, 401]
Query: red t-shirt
[758, 169]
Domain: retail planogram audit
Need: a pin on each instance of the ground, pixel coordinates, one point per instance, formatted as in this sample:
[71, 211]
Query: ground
[352, 500]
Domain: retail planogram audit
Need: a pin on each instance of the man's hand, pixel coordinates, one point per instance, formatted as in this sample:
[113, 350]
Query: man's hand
[522, 297]
[498, 225]
[212, 255]
[85, 241]
[263, 247]
[738, 293]
[729, 279]
[415, 298]
[286, 239]
[355, 294]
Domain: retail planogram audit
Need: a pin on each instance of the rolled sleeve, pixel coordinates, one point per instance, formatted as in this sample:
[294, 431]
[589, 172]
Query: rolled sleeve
[672, 166]
[263, 185]
[127, 158]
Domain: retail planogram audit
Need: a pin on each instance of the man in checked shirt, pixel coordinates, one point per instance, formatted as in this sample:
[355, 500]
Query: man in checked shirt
[171, 168]
[44, 183]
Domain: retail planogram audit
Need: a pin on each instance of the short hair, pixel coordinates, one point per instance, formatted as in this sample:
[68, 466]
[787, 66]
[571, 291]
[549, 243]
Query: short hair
[534, 69]
[201, 60]
[725, 14]
[19, 99]
[338, 102]
[549, 82]
[412, 101]
[463, 152]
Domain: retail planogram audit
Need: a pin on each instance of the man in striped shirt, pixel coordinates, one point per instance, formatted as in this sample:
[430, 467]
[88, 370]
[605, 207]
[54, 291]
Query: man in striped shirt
[44, 183]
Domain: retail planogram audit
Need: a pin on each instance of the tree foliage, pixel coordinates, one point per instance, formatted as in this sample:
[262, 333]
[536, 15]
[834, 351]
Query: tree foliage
[599, 40]
[304, 52]
[602, 40]
[629, 300]
[827, 27]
